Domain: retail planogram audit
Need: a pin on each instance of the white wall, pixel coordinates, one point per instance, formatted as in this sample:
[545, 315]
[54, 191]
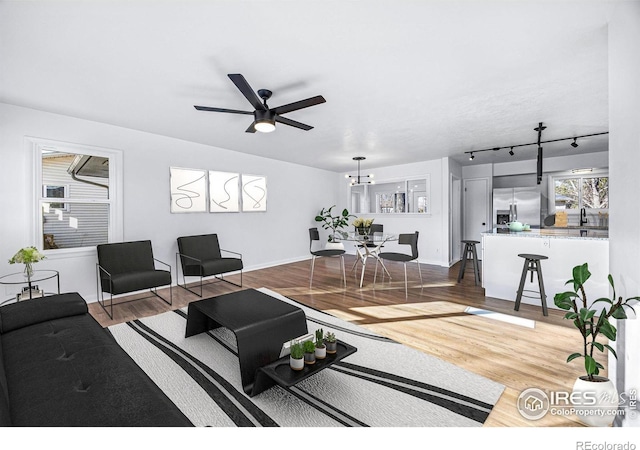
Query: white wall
[433, 244]
[596, 160]
[295, 194]
[624, 167]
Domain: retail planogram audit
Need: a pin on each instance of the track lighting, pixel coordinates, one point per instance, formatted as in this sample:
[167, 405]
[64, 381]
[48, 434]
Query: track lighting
[356, 179]
[539, 129]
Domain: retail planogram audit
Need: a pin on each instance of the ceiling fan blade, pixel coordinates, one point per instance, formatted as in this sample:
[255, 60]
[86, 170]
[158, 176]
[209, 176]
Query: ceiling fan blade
[234, 111]
[299, 105]
[251, 129]
[247, 91]
[292, 123]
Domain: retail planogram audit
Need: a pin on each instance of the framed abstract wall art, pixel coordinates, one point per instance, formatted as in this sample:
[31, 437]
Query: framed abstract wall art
[254, 193]
[224, 194]
[188, 190]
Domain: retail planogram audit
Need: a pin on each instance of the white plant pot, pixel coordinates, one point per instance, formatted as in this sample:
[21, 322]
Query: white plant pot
[321, 352]
[296, 364]
[334, 246]
[595, 402]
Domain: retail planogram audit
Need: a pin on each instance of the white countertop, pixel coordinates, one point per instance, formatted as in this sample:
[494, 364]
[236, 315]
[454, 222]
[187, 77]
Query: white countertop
[553, 233]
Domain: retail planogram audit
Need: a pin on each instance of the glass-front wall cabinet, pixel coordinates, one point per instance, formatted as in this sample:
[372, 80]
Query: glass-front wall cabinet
[406, 196]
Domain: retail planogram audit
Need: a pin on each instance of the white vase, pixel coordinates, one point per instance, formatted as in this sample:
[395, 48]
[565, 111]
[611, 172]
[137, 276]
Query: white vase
[321, 352]
[334, 246]
[296, 364]
[595, 402]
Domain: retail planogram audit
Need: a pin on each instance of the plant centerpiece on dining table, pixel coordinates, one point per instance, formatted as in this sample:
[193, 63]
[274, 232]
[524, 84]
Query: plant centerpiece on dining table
[28, 256]
[334, 223]
[363, 226]
[592, 323]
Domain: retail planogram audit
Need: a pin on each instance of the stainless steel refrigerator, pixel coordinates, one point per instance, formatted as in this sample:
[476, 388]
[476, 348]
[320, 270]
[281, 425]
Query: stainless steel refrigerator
[521, 204]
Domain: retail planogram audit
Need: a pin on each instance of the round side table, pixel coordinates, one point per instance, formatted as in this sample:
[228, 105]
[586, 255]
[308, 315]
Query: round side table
[19, 279]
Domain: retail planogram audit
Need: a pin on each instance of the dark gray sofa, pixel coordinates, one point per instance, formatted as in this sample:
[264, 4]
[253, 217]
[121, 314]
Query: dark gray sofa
[59, 367]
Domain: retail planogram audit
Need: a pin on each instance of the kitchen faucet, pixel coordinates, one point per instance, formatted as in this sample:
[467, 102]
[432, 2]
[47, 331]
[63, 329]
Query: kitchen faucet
[583, 217]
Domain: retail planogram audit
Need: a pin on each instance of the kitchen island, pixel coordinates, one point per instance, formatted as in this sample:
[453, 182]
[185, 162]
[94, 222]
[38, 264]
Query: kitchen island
[565, 248]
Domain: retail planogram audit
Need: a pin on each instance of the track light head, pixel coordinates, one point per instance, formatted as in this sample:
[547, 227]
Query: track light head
[511, 151]
[471, 156]
[574, 144]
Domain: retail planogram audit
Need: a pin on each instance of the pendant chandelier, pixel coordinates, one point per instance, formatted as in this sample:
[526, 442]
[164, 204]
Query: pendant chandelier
[359, 179]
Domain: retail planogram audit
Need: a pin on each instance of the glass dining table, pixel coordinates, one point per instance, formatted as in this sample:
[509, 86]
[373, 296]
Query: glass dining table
[368, 246]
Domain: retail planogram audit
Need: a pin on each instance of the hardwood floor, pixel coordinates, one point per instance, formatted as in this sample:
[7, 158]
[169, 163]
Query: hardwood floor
[432, 320]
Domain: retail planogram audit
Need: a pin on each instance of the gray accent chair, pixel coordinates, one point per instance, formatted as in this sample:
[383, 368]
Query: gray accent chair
[201, 256]
[128, 267]
[410, 239]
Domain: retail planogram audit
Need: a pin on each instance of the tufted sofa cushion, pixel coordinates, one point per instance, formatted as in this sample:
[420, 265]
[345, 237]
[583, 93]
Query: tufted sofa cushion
[66, 370]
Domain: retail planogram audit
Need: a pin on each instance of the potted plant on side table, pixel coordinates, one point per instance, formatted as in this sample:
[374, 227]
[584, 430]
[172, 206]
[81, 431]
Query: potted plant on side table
[331, 343]
[321, 349]
[296, 356]
[335, 224]
[309, 352]
[591, 326]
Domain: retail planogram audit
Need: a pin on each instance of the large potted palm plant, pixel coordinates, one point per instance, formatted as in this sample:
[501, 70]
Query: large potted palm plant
[334, 223]
[592, 323]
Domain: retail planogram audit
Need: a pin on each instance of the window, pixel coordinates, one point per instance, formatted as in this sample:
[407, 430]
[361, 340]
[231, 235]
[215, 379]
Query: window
[85, 183]
[49, 191]
[391, 197]
[575, 193]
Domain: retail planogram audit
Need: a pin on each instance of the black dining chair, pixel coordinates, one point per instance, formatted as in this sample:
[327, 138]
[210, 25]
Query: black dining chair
[314, 236]
[410, 239]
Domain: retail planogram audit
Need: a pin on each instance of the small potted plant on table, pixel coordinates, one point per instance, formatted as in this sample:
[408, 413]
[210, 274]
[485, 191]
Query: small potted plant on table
[321, 349]
[309, 352]
[296, 356]
[330, 343]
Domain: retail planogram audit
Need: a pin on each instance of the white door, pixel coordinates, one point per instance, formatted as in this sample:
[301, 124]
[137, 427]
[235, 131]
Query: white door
[476, 205]
[456, 220]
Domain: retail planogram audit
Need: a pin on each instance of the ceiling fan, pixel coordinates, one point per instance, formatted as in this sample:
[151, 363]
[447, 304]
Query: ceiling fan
[265, 117]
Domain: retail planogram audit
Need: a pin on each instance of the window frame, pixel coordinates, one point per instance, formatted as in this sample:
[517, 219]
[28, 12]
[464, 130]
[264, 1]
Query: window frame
[578, 175]
[115, 228]
[370, 199]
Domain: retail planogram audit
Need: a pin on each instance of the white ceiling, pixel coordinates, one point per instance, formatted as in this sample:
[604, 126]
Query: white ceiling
[404, 80]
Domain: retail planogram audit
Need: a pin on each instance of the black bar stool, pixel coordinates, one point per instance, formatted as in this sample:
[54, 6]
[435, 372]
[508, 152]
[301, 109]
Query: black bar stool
[469, 252]
[532, 264]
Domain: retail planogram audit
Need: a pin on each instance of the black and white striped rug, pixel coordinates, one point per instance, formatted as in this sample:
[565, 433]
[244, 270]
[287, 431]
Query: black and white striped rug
[383, 384]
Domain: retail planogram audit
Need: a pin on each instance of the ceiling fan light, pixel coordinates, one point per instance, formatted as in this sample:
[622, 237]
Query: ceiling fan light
[265, 126]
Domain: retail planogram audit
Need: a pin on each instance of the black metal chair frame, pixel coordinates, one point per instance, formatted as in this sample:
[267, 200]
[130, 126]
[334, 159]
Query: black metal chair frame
[414, 257]
[319, 253]
[100, 293]
[199, 261]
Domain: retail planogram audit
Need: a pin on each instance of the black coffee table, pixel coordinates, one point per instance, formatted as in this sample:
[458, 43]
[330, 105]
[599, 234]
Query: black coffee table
[260, 322]
[279, 372]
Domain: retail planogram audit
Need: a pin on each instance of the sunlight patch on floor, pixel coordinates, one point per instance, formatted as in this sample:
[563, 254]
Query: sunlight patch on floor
[501, 317]
[407, 310]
